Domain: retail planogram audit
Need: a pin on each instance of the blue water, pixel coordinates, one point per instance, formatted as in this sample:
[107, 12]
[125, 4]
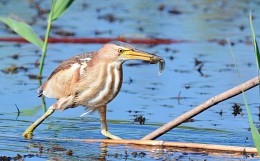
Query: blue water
[143, 91]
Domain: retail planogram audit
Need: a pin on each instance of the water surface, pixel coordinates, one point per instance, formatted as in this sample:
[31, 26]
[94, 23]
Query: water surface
[204, 24]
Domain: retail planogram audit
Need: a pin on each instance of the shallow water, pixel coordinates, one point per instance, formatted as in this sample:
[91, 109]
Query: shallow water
[204, 24]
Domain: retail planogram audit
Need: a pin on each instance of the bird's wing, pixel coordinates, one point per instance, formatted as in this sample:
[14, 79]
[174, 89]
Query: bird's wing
[59, 82]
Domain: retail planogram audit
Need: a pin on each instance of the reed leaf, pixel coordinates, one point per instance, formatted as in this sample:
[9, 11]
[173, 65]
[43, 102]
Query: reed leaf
[24, 30]
[30, 112]
[254, 131]
[256, 49]
[60, 7]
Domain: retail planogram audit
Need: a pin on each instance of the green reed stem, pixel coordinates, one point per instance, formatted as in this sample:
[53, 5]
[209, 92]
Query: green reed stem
[44, 50]
[45, 45]
[43, 99]
[254, 131]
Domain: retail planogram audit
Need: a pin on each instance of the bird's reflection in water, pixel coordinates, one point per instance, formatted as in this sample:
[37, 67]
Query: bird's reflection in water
[103, 151]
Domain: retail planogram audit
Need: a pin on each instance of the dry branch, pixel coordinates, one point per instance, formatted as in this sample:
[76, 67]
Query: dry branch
[166, 145]
[178, 145]
[202, 107]
[157, 144]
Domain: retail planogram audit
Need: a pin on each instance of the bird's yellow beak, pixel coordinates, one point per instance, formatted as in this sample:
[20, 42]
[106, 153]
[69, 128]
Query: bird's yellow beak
[137, 55]
[134, 54]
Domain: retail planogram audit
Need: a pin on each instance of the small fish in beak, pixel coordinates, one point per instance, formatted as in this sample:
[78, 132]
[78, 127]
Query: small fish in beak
[155, 59]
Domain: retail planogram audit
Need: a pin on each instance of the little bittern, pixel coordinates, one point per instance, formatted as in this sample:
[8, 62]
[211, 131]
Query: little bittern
[91, 80]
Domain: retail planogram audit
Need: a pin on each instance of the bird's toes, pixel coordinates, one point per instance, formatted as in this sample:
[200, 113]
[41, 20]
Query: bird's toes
[109, 135]
[28, 135]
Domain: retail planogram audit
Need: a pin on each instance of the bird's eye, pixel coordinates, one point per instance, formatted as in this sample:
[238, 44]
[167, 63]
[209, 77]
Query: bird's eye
[120, 50]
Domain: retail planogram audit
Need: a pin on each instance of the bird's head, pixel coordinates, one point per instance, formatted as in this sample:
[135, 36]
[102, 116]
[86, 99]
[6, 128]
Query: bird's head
[121, 51]
[117, 51]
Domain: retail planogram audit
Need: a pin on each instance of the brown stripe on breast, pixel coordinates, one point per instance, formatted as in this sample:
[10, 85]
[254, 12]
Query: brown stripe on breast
[89, 90]
[112, 85]
[110, 92]
[118, 79]
[105, 89]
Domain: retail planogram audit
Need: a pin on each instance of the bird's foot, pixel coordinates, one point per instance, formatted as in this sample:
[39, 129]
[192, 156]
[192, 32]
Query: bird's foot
[28, 134]
[109, 135]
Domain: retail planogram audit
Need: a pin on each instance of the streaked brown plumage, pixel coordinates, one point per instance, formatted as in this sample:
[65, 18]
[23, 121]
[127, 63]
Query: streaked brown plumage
[66, 65]
[91, 80]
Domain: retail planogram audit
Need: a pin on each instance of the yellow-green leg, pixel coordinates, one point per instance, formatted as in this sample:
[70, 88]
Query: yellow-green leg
[103, 121]
[28, 133]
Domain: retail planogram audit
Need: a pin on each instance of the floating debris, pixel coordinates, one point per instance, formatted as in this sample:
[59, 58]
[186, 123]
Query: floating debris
[97, 32]
[110, 18]
[64, 33]
[15, 56]
[18, 111]
[130, 80]
[18, 157]
[200, 69]
[29, 156]
[69, 152]
[40, 147]
[13, 69]
[171, 57]
[34, 76]
[237, 109]
[140, 119]
[166, 49]
[126, 155]
[56, 148]
[39, 9]
[5, 158]
[161, 7]
[241, 27]
[142, 154]
[187, 86]
[197, 62]
[130, 111]
[36, 63]
[175, 11]
[220, 113]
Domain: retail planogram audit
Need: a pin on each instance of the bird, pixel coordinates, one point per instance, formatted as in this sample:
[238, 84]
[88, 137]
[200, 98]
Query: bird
[91, 79]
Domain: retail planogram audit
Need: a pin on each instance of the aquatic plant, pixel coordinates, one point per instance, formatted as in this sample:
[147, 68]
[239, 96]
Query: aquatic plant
[58, 7]
[254, 131]
[27, 32]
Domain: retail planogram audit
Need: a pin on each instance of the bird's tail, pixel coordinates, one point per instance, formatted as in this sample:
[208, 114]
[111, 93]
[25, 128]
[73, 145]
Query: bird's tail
[89, 110]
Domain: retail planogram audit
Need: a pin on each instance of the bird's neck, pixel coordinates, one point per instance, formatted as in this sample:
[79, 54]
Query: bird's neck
[108, 83]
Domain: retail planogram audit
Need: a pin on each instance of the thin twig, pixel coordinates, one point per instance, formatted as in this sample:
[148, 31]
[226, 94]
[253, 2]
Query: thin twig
[18, 111]
[179, 97]
[202, 107]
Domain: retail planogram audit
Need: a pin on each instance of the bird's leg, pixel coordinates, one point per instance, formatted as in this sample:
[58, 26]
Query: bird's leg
[62, 104]
[28, 133]
[104, 130]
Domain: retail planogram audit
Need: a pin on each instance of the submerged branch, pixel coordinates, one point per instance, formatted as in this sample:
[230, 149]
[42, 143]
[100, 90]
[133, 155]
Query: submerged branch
[159, 144]
[183, 146]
